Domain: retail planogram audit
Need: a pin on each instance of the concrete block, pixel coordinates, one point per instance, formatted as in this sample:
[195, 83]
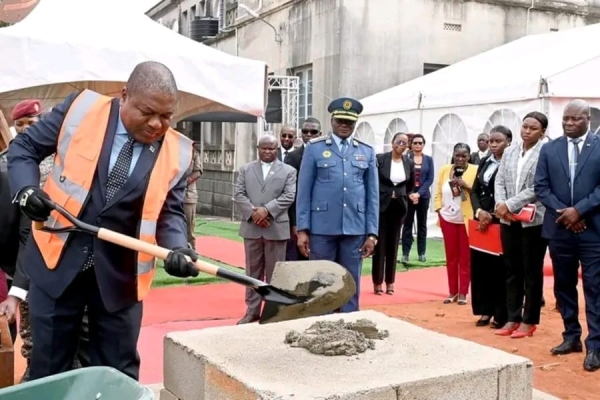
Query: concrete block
[251, 362]
[166, 395]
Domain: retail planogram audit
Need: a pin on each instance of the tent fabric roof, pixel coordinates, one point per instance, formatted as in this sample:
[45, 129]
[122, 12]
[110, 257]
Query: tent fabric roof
[510, 72]
[65, 45]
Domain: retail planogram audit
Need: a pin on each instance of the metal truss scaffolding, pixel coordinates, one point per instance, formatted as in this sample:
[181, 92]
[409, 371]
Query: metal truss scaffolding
[289, 86]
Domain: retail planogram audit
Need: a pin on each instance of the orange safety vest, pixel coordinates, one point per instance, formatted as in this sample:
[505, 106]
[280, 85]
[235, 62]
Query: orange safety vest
[69, 184]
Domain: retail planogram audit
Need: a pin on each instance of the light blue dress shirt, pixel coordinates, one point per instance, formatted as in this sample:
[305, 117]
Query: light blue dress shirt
[120, 139]
[338, 141]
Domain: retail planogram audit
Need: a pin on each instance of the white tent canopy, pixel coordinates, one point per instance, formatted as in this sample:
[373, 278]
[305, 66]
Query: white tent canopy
[512, 72]
[66, 45]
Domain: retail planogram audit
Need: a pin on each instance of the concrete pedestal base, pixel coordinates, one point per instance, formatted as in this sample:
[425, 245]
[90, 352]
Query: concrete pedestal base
[251, 362]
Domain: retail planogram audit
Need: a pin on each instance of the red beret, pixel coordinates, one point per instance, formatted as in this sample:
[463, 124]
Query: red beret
[26, 108]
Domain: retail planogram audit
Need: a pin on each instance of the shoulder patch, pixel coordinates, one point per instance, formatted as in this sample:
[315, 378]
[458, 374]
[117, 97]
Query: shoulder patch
[363, 142]
[317, 140]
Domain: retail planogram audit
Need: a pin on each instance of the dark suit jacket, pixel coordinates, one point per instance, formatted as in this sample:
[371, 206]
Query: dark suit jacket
[295, 160]
[482, 195]
[14, 230]
[386, 187]
[426, 177]
[475, 159]
[552, 187]
[115, 266]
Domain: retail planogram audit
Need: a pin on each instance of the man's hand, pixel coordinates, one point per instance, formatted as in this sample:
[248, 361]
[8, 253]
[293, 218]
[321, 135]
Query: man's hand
[34, 203]
[304, 243]
[367, 248]
[177, 265]
[9, 307]
[577, 227]
[260, 214]
[568, 216]
[264, 223]
[502, 211]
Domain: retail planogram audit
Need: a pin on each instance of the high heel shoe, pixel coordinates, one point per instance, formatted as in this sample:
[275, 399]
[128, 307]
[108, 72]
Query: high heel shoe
[389, 289]
[378, 290]
[520, 334]
[507, 331]
[451, 299]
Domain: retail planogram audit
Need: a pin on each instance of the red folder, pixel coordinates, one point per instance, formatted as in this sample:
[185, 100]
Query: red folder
[527, 213]
[488, 241]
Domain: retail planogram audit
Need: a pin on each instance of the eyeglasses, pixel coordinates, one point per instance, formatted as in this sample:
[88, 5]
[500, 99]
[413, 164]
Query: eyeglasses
[287, 136]
[401, 143]
[311, 132]
[418, 143]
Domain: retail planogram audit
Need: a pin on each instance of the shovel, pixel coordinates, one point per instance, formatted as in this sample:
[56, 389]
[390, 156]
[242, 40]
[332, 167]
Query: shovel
[312, 298]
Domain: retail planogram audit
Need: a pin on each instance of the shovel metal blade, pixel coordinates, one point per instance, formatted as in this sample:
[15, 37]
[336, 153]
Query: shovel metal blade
[325, 286]
[277, 296]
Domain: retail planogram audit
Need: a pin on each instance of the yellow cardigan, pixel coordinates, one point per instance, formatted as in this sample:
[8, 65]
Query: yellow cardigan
[469, 177]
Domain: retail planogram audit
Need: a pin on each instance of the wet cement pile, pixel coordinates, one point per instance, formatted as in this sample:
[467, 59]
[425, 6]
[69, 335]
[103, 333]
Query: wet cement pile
[337, 338]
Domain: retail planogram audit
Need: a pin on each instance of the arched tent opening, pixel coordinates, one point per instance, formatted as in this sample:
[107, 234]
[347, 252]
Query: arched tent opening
[365, 133]
[504, 117]
[396, 125]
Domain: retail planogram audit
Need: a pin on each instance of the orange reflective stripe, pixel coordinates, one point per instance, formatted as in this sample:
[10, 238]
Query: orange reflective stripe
[173, 162]
[77, 154]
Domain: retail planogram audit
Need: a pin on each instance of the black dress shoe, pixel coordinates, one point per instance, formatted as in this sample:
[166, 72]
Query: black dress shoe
[497, 324]
[248, 319]
[483, 321]
[567, 347]
[592, 361]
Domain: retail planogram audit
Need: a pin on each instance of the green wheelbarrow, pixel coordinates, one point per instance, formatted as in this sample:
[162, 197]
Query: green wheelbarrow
[93, 383]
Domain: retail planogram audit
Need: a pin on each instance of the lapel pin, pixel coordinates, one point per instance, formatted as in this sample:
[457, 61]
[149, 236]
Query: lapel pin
[152, 149]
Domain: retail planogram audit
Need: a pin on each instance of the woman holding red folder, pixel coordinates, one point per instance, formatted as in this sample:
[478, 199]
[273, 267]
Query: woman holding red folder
[488, 272]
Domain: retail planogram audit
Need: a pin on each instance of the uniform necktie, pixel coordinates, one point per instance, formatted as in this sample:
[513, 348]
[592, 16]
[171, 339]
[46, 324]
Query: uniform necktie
[116, 178]
[573, 164]
[343, 146]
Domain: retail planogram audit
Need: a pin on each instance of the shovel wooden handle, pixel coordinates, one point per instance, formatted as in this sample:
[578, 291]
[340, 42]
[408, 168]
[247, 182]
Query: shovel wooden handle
[147, 248]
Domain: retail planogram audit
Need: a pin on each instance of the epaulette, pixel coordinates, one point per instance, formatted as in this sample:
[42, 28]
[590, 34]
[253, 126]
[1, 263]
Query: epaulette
[362, 142]
[319, 139]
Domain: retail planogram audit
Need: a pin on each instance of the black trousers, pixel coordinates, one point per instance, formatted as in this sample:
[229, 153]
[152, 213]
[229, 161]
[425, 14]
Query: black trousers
[386, 251]
[524, 251]
[56, 325]
[420, 210]
[488, 285]
[566, 256]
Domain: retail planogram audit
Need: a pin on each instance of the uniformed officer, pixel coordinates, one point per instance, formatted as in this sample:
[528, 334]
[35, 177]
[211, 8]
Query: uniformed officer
[338, 196]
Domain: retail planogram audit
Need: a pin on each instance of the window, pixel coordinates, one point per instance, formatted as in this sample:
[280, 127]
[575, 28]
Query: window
[305, 95]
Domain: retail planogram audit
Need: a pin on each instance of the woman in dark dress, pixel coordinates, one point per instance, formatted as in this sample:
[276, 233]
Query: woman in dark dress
[488, 271]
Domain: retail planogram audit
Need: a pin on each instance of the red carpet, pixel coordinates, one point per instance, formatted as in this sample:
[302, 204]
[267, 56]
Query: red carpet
[196, 307]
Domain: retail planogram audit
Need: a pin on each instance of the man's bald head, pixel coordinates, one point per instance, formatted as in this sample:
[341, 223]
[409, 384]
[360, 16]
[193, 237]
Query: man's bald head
[267, 139]
[149, 101]
[151, 76]
[576, 118]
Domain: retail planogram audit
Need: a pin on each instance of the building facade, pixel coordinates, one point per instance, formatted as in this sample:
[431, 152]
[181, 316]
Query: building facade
[347, 47]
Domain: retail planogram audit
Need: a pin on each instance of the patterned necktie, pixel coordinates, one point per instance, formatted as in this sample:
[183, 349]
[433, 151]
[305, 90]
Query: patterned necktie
[343, 146]
[573, 164]
[116, 178]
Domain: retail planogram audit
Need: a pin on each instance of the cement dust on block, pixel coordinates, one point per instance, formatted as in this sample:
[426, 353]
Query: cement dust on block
[337, 338]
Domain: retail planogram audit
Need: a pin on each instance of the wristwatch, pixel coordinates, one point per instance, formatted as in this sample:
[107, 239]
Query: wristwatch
[373, 238]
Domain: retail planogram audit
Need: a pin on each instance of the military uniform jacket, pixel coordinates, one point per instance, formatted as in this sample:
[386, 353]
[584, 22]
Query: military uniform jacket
[338, 194]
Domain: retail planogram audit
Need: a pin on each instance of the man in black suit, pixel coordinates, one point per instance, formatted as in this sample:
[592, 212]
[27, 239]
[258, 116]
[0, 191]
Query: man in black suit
[482, 145]
[567, 182]
[286, 139]
[311, 128]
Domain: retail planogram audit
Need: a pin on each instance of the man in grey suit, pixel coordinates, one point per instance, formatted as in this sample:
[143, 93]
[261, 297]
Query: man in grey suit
[264, 191]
